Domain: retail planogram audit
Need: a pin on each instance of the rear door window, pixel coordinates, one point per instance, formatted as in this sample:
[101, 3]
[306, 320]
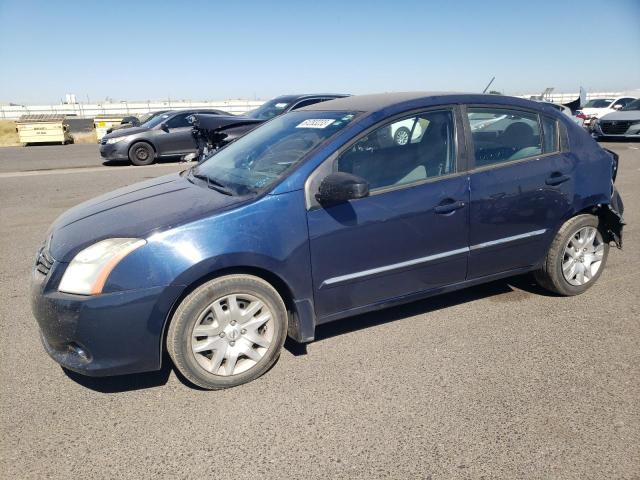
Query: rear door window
[502, 135]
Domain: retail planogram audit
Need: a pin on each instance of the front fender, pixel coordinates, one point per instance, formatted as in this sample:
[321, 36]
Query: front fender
[269, 234]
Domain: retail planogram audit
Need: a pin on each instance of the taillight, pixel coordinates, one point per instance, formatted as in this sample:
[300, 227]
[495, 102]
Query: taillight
[582, 116]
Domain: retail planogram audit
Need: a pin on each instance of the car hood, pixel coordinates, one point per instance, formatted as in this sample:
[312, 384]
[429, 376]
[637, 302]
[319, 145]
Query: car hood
[123, 132]
[134, 212]
[215, 122]
[622, 115]
[593, 111]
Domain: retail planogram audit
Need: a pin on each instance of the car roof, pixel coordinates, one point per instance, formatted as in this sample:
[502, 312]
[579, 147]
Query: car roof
[195, 110]
[380, 101]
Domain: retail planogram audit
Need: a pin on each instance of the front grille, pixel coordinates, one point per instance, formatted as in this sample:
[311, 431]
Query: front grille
[614, 127]
[44, 261]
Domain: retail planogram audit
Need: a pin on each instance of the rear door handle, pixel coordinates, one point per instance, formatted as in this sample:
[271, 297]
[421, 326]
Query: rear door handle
[444, 208]
[557, 178]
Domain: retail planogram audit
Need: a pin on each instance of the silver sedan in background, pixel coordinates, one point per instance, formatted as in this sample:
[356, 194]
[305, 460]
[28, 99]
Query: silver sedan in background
[625, 123]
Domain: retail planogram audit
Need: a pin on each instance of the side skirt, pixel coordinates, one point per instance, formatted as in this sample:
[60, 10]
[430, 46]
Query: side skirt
[422, 295]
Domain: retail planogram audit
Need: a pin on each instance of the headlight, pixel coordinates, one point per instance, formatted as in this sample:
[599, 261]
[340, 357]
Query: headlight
[116, 139]
[88, 271]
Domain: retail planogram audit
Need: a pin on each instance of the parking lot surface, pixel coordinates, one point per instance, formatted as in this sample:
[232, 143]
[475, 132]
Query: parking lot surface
[497, 381]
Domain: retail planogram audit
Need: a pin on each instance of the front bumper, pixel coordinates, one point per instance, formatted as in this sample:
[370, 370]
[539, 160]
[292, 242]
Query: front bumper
[115, 151]
[110, 334]
[608, 130]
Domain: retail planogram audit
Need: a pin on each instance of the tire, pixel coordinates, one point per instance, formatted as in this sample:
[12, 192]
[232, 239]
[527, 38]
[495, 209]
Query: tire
[401, 137]
[142, 153]
[237, 355]
[567, 251]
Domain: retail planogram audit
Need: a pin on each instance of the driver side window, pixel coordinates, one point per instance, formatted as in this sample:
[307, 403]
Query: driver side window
[404, 152]
[178, 121]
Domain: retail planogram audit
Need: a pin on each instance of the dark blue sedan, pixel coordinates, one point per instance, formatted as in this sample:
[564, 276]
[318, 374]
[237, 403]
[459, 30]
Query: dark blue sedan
[318, 215]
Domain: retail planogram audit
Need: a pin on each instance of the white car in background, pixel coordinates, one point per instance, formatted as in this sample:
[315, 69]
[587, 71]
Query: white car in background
[404, 131]
[567, 111]
[597, 107]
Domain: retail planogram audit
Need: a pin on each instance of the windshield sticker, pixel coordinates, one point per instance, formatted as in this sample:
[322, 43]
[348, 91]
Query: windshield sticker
[316, 123]
[281, 105]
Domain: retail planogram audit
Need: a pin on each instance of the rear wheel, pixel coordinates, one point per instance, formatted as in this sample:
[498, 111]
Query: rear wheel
[576, 257]
[141, 153]
[227, 332]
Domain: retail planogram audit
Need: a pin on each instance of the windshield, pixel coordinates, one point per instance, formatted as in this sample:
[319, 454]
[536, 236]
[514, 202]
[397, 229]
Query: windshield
[260, 158]
[269, 109]
[599, 103]
[148, 116]
[155, 121]
[635, 105]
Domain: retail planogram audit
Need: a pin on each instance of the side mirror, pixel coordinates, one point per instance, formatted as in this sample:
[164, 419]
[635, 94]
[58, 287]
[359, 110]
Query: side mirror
[341, 187]
[617, 107]
[164, 127]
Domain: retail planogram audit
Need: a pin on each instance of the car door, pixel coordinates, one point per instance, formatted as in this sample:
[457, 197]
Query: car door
[409, 235]
[176, 139]
[521, 187]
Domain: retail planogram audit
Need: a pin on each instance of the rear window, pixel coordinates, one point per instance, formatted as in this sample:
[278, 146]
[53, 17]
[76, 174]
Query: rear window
[502, 135]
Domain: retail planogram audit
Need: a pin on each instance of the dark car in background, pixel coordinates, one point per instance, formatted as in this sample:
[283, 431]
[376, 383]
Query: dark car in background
[212, 132]
[316, 216]
[625, 123]
[165, 135]
[134, 121]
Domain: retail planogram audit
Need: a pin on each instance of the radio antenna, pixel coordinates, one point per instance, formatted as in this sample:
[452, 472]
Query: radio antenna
[488, 85]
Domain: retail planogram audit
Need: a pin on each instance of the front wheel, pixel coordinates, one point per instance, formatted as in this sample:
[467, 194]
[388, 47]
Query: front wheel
[401, 137]
[141, 153]
[576, 257]
[227, 332]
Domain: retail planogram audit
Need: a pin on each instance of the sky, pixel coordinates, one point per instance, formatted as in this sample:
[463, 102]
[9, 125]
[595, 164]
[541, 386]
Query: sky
[213, 50]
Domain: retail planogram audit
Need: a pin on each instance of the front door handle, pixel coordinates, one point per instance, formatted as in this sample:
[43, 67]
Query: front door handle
[557, 178]
[449, 207]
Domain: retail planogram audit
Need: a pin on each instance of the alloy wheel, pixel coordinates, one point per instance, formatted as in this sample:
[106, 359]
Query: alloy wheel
[583, 256]
[402, 137]
[232, 334]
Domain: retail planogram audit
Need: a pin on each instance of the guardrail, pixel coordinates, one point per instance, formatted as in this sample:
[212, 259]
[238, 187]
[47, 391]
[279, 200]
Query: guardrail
[90, 110]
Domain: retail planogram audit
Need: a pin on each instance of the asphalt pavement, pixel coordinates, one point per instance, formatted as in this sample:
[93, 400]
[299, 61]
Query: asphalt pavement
[497, 381]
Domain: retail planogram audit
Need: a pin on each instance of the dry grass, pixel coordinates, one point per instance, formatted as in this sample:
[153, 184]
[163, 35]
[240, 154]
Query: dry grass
[84, 137]
[8, 134]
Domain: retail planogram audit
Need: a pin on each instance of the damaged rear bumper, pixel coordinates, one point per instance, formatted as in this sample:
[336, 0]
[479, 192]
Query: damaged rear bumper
[611, 215]
[612, 219]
